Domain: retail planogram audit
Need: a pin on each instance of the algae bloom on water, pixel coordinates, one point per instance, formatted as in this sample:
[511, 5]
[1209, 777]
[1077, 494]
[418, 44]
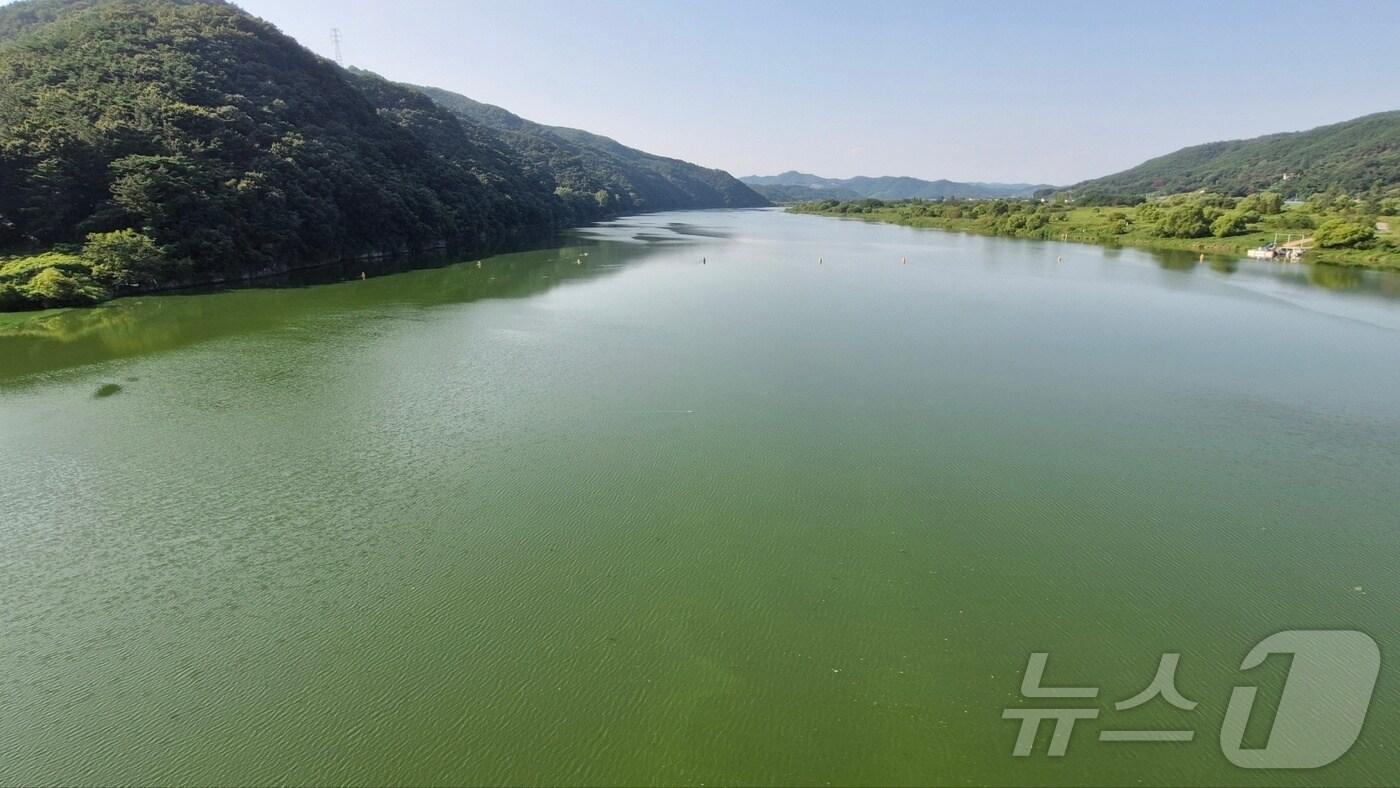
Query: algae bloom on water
[624, 525]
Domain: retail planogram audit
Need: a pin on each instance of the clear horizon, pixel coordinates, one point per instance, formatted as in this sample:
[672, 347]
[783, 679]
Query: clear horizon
[1019, 92]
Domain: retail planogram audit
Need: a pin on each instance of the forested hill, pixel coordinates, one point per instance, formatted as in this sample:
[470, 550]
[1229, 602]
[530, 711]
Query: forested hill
[587, 167]
[145, 143]
[1351, 157]
[792, 183]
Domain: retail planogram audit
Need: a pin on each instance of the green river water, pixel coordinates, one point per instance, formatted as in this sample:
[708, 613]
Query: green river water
[608, 514]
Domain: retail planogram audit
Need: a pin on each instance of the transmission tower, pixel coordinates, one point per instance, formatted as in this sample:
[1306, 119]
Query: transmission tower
[335, 38]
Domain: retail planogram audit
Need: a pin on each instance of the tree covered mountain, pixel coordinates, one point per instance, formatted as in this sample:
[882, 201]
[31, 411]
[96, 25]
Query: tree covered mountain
[1353, 157]
[893, 188]
[588, 167]
[157, 142]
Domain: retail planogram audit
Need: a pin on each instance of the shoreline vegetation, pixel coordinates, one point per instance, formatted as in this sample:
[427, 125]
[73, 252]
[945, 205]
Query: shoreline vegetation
[154, 145]
[1334, 228]
[149, 145]
[127, 263]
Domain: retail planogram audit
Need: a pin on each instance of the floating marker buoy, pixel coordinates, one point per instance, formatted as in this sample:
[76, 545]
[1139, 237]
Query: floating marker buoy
[1059, 259]
[904, 261]
[362, 276]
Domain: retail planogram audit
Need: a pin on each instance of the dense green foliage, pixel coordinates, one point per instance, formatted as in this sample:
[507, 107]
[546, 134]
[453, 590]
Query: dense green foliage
[106, 264]
[20, 18]
[1187, 220]
[1199, 222]
[597, 173]
[892, 187]
[229, 150]
[1354, 157]
[1230, 223]
[125, 257]
[1340, 233]
[47, 279]
[231, 146]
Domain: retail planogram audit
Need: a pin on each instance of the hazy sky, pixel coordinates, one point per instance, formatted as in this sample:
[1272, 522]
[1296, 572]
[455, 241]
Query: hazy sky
[1035, 91]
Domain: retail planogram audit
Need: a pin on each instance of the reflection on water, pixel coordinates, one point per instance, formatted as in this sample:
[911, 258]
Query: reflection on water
[46, 341]
[687, 228]
[1320, 275]
[130, 327]
[1175, 260]
[1336, 277]
[1223, 265]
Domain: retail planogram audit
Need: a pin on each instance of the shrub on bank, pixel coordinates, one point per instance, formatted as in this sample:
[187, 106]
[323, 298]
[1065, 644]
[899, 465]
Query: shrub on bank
[108, 261]
[124, 257]
[48, 280]
[1233, 223]
[1340, 233]
[1184, 221]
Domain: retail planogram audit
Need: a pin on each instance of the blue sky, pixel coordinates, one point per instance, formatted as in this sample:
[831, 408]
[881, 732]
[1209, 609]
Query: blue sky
[1025, 91]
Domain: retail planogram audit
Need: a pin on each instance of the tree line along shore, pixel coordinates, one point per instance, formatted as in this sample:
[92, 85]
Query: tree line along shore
[1333, 227]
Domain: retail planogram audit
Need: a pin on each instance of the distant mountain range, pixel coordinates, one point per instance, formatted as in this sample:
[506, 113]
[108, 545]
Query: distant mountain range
[1353, 156]
[784, 194]
[793, 186]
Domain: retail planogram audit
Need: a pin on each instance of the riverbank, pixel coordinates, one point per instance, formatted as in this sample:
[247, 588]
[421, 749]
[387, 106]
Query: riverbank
[71, 277]
[1116, 226]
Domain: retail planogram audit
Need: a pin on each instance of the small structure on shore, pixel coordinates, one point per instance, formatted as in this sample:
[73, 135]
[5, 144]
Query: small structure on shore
[1272, 252]
[1290, 250]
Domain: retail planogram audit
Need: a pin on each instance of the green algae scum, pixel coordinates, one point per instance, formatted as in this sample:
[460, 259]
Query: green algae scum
[602, 514]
